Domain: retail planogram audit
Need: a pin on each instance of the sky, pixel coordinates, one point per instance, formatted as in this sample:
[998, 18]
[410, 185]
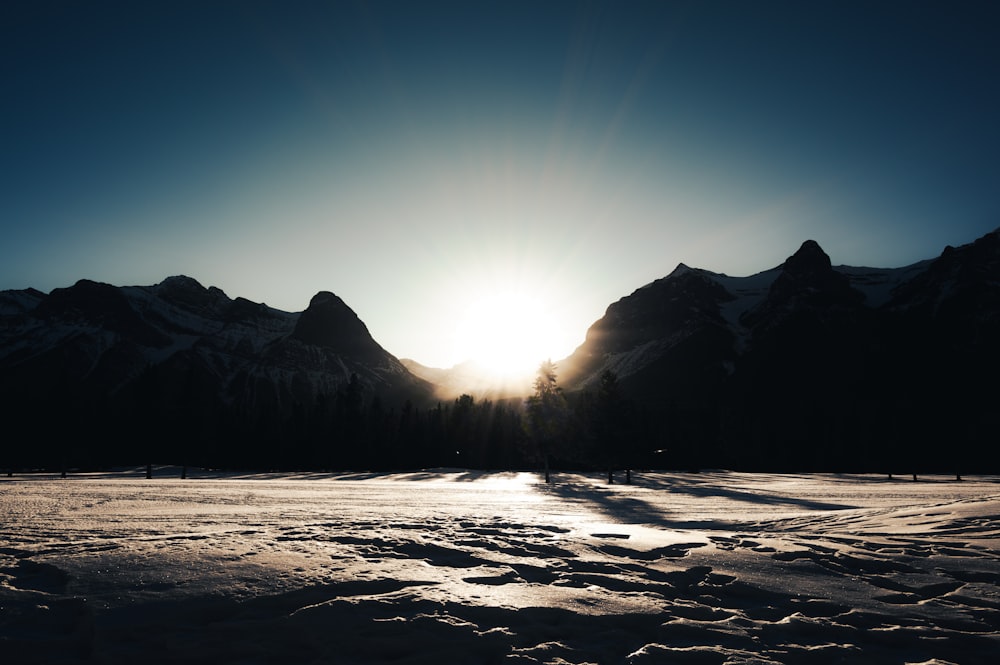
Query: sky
[420, 159]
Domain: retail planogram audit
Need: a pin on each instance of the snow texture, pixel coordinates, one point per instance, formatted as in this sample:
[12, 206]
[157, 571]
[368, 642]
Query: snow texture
[878, 283]
[451, 566]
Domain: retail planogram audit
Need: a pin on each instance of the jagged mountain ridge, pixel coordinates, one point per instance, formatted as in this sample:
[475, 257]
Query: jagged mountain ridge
[103, 339]
[639, 328]
[808, 357]
[801, 366]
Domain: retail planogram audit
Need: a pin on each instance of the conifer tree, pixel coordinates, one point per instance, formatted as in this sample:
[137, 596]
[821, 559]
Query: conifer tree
[547, 414]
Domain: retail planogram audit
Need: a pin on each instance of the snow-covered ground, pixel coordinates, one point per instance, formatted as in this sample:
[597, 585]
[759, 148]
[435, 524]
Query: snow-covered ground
[467, 567]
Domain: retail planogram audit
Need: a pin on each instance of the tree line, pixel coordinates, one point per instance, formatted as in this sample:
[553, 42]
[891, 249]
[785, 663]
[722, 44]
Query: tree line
[184, 422]
[187, 424]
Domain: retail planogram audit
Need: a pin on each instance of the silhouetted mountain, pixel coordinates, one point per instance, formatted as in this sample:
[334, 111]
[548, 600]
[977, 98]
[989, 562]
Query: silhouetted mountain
[807, 366]
[810, 365]
[95, 360]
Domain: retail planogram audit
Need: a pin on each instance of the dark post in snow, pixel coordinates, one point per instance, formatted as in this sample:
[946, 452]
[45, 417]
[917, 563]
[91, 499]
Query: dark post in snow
[149, 472]
[184, 472]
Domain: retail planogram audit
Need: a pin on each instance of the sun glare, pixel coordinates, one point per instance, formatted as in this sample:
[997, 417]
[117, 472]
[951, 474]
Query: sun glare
[506, 334]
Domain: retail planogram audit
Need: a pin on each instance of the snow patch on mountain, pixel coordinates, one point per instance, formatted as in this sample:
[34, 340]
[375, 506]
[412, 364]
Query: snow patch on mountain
[628, 362]
[877, 284]
[747, 293]
[249, 351]
[19, 302]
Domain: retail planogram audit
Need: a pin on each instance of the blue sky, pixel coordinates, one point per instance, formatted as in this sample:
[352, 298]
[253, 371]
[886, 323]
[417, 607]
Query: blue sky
[415, 157]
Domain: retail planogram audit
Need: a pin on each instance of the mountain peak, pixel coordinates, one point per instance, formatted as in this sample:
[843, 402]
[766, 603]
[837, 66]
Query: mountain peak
[810, 258]
[679, 270]
[326, 299]
[330, 323]
[807, 282]
[181, 282]
[188, 293]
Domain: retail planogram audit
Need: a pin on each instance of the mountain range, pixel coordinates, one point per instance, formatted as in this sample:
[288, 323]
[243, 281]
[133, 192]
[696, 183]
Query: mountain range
[797, 363]
[101, 338]
[807, 362]
[103, 370]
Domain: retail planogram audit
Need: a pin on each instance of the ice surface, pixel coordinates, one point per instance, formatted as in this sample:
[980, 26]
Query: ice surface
[452, 566]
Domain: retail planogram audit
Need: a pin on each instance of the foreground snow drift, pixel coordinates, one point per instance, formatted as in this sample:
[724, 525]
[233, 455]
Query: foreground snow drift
[451, 566]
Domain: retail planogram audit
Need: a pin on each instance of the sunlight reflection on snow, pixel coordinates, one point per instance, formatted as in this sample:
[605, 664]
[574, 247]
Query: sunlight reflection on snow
[442, 564]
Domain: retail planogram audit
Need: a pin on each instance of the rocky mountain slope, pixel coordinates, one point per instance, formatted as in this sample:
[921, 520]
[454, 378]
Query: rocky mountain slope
[128, 362]
[804, 366]
[792, 361]
[104, 337]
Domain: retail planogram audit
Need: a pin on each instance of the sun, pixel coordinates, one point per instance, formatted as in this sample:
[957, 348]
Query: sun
[506, 334]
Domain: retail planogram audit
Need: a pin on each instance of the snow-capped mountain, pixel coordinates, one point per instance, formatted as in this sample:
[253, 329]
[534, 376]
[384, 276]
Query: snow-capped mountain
[691, 305]
[808, 354]
[804, 366]
[96, 341]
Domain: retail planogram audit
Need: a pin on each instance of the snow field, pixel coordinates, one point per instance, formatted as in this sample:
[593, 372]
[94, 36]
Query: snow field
[466, 567]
